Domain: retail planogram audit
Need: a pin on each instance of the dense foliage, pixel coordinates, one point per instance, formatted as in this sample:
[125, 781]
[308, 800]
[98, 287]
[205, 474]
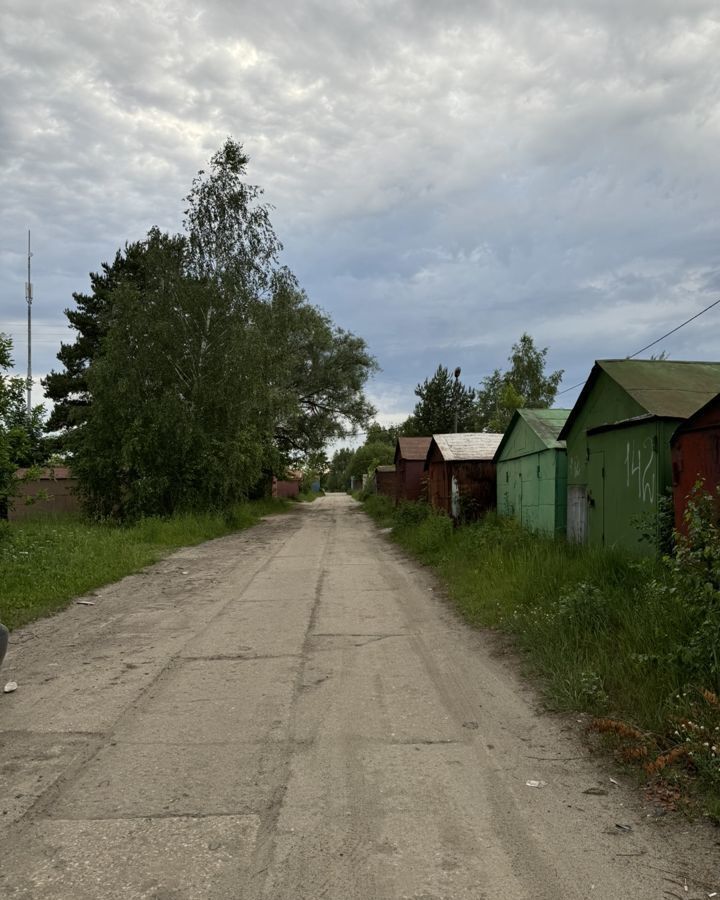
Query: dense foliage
[444, 405]
[21, 433]
[523, 385]
[200, 367]
[378, 449]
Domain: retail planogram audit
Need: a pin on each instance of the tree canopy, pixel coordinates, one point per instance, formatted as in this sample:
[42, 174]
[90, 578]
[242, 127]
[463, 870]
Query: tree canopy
[200, 367]
[378, 449]
[443, 400]
[524, 384]
[21, 433]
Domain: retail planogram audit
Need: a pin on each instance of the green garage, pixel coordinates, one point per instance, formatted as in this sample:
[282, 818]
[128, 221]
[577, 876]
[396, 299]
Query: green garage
[532, 470]
[618, 446]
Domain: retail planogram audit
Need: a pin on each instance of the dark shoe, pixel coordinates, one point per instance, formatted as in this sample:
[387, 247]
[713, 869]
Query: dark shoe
[4, 634]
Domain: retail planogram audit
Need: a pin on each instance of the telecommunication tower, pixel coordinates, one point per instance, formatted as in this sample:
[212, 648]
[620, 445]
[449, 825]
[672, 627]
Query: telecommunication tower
[29, 299]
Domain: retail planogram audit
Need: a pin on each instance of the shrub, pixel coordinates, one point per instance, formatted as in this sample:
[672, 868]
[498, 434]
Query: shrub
[695, 567]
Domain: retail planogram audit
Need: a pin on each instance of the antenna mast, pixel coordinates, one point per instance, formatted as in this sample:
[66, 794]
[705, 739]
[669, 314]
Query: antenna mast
[29, 299]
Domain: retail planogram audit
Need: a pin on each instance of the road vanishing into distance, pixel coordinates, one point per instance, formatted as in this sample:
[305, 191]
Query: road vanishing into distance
[294, 713]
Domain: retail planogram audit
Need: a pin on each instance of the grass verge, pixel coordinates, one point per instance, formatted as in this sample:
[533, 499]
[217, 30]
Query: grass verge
[608, 634]
[44, 564]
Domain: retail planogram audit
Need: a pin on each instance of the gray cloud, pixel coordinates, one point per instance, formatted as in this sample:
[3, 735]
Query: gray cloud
[445, 176]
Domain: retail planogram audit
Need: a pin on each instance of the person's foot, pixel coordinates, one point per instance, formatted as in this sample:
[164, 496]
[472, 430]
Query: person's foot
[4, 635]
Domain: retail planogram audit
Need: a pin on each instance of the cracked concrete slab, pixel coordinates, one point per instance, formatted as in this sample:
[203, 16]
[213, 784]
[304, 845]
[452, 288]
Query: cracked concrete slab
[129, 780]
[300, 717]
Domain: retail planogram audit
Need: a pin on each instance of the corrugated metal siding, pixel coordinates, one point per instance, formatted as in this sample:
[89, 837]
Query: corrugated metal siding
[476, 485]
[385, 479]
[695, 453]
[411, 480]
[622, 472]
[532, 473]
[532, 489]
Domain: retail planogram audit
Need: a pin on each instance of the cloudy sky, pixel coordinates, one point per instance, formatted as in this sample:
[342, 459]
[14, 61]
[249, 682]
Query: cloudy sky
[445, 175]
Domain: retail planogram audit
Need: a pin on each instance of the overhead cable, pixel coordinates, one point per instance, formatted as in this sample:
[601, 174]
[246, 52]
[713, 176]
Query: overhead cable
[652, 344]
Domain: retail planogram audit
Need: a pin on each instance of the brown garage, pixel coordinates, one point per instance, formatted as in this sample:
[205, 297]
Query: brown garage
[410, 456]
[462, 479]
[695, 454]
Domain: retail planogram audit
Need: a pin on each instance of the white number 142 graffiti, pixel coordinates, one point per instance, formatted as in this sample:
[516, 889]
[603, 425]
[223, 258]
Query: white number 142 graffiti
[645, 474]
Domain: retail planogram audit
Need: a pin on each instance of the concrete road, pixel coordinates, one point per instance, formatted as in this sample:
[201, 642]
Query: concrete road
[293, 713]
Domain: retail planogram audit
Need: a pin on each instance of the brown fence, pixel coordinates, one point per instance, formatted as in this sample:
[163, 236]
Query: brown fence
[54, 493]
[285, 489]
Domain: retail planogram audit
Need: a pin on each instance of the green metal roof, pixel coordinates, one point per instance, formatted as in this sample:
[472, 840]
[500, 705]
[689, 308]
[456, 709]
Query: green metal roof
[545, 423]
[672, 389]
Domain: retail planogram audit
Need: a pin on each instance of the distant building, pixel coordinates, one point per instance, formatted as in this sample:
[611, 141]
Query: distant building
[618, 446]
[410, 456]
[289, 486]
[52, 493]
[461, 473]
[532, 470]
[385, 481]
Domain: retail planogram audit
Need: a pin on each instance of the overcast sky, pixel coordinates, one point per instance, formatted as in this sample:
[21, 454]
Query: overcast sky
[445, 175]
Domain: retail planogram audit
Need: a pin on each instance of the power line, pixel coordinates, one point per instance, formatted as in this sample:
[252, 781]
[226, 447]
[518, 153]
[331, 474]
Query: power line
[652, 344]
[570, 388]
[682, 325]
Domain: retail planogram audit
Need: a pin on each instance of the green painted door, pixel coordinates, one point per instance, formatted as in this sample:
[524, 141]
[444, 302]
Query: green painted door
[596, 498]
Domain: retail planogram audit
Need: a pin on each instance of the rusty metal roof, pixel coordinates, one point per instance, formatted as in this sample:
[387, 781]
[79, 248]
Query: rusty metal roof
[672, 389]
[384, 468]
[546, 423]
[475, 445]
[412, 447]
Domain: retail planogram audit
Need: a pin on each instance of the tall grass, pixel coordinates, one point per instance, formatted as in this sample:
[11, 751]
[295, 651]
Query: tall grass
[45, 563]
[606, 632]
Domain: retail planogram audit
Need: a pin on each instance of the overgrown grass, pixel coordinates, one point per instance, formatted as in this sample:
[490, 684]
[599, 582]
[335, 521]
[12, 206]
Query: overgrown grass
[44, 564]
[607, 633]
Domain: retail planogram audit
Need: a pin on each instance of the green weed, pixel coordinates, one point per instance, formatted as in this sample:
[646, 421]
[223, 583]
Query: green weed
[626, 639]
[46, 563]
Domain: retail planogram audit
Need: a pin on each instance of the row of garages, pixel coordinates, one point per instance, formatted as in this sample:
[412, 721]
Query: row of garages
[639, 431]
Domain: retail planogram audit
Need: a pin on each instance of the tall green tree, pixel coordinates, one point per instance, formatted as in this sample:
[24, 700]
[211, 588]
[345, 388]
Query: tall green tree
[205, 367]
[89, 318]
[177, 412]
[229, 242]
[442, 400]
[524, 384]
[231, 239]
